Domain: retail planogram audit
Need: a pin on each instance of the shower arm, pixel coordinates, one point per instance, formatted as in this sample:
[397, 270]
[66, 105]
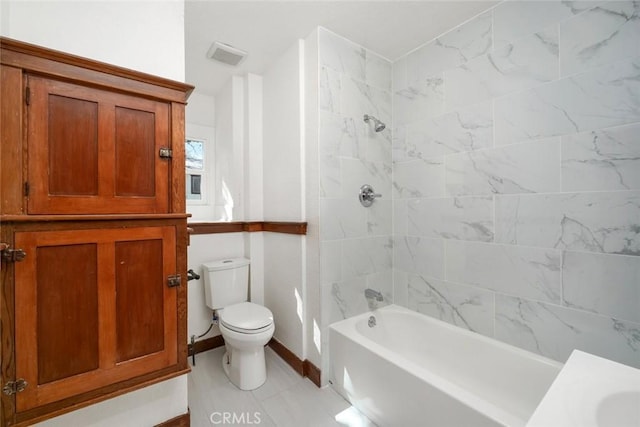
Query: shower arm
[378, 125]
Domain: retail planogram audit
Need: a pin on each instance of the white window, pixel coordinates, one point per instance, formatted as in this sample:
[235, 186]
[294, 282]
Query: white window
[196, 170]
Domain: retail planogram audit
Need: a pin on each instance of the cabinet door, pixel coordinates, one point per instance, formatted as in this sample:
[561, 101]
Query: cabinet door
[92, 308]
[94, 151]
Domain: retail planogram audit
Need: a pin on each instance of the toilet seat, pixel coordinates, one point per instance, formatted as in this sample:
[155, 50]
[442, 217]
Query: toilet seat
[246, 318]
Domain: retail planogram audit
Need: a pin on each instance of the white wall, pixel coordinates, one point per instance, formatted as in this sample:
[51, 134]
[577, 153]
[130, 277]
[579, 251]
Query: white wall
[200, 124]
[229, 155]
[315, 310]
[4, 17]
[144, 36]
[284, 292]
[223, 155]
[253, 148]
[201, 109]
[283, 184]
[283, 129]
[252, 175]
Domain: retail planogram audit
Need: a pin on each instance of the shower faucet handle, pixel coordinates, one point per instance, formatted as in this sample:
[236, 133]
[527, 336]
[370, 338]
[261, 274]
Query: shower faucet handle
[367, 195]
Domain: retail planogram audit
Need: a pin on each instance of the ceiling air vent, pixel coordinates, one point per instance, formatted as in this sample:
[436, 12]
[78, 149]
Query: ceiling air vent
[226, 54]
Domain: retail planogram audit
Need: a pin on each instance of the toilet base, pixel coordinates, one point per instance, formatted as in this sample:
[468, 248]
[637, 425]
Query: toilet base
[243, 362]
[246, 370]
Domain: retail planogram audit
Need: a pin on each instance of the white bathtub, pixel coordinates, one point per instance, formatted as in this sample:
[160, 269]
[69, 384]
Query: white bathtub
[413, 370]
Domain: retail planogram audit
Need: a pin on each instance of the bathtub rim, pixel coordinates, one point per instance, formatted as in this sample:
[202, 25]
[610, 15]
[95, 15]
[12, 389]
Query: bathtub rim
[347, 328]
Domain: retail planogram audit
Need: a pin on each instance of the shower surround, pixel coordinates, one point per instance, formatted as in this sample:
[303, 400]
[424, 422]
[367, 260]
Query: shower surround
[515, 177]
[356, 244]
[516, 174]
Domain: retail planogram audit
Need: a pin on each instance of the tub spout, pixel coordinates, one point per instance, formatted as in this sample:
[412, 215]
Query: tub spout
[373, 298]
[373, 294]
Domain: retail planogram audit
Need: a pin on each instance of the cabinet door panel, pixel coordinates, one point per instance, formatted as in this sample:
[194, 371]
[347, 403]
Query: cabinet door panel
[67, 302]
[135, 152]
[73, 146]
[139, 298]
[92, 308]
[94, 151]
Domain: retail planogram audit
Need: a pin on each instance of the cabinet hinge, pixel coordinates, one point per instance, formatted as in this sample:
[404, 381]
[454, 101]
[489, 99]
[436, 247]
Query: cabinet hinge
[166, 153]
[174, 280]
[27, 95]
[13, 255]
[27, 187]
[13, 387]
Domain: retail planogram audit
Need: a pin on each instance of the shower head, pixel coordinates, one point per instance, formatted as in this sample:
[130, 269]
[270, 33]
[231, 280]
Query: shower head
[378, 125]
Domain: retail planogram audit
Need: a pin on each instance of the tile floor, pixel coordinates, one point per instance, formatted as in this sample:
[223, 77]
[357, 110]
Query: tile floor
[285, 399]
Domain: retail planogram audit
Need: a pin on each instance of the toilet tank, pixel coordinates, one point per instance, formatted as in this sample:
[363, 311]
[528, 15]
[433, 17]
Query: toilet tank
[226, 282]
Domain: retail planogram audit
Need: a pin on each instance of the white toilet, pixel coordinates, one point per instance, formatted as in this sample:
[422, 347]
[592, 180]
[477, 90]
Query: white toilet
[246, 327]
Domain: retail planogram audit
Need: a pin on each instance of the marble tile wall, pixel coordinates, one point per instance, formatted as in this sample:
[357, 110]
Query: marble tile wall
[516, 177]
[356, 243]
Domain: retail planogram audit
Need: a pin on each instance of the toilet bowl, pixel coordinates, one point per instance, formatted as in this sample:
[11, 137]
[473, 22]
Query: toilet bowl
[245, 326]
[246, 329]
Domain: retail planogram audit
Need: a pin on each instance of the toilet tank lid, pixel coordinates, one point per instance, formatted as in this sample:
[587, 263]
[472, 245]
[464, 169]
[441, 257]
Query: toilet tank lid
[225, 264]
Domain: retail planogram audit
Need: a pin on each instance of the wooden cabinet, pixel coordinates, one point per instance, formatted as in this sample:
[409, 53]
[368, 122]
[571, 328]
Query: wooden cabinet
[99, 305]
[90, 306]
[95, 151]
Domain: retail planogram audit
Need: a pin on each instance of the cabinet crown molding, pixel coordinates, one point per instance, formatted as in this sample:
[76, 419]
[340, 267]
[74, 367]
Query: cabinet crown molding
[21, 55]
